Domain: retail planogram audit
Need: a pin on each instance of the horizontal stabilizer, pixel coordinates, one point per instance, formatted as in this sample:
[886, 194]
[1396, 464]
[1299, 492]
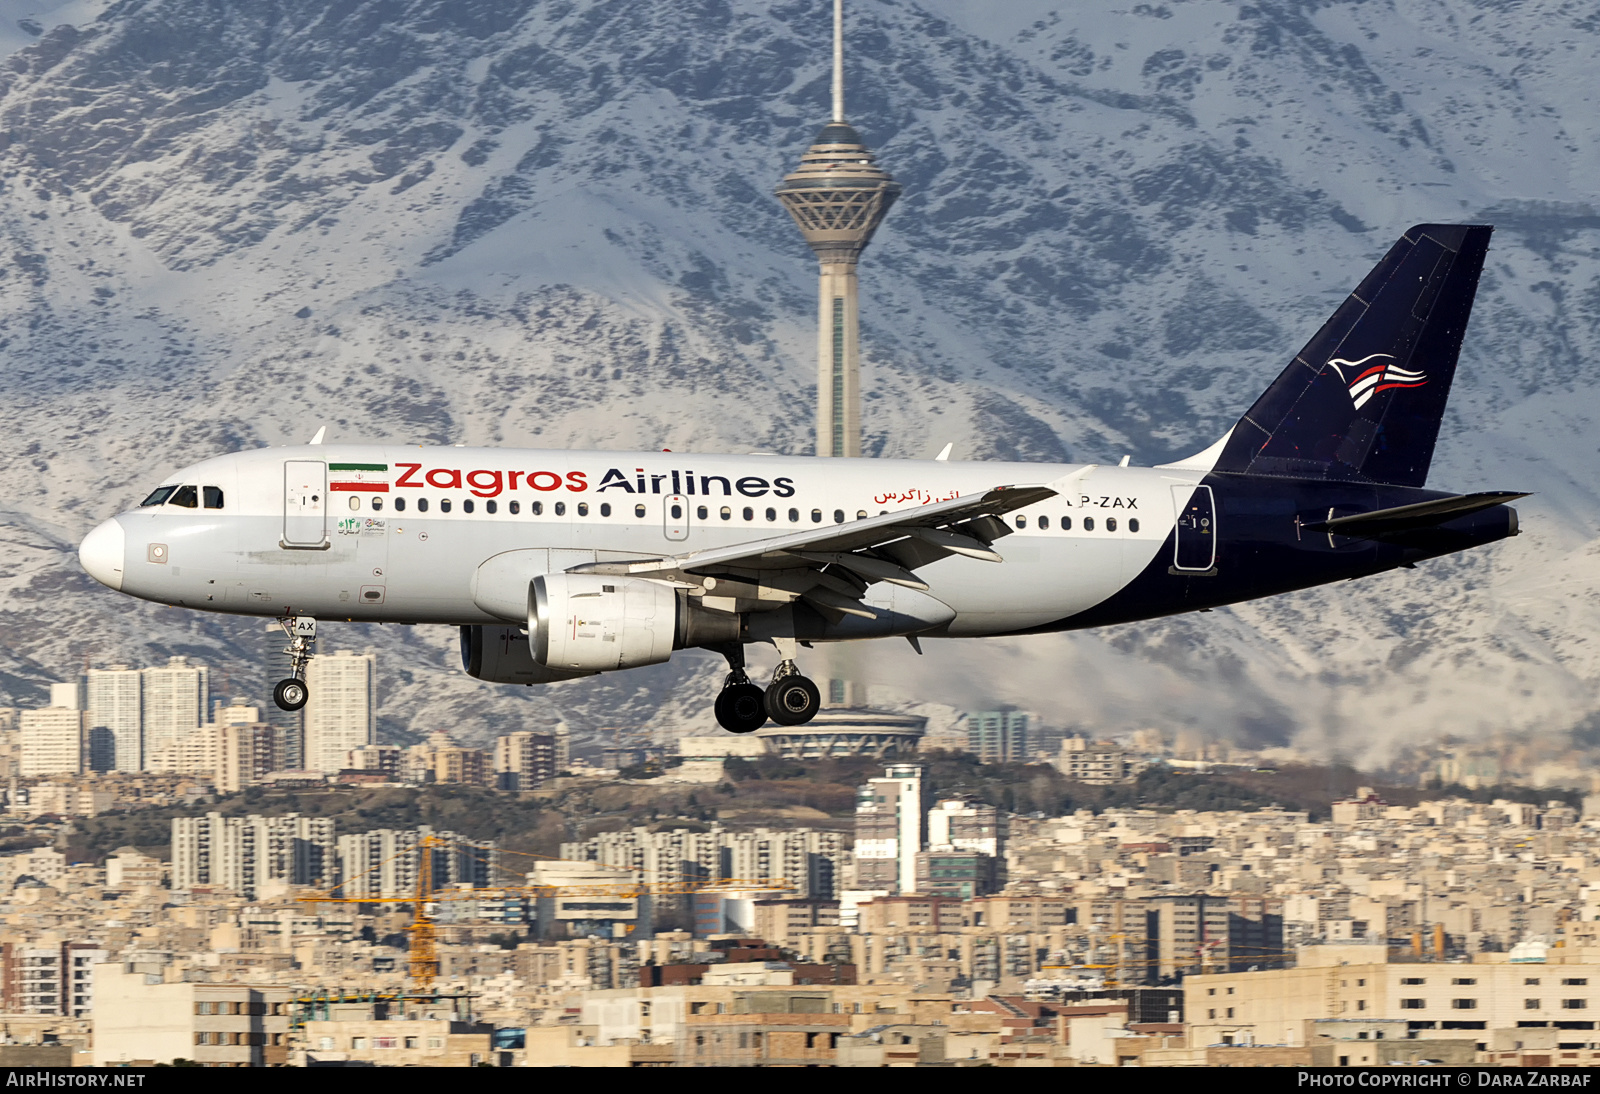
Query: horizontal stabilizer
[1406, 518]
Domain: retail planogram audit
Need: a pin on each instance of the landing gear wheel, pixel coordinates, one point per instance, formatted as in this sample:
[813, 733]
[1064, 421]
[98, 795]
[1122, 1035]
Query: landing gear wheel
[793, 700]
[741, 708]
[291, 694]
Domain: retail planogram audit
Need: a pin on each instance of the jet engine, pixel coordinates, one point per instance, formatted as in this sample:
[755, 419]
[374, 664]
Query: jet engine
[501, 655]
[594, 623]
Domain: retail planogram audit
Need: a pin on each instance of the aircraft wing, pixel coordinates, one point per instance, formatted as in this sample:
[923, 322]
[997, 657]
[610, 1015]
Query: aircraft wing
[831, 565]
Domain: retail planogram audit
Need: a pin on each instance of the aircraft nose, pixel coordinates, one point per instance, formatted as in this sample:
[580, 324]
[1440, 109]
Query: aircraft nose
[101, 554]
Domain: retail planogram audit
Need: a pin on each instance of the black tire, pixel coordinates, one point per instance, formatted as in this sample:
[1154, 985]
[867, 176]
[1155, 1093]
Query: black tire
[291, 694]
[793, 701]
[741, 708]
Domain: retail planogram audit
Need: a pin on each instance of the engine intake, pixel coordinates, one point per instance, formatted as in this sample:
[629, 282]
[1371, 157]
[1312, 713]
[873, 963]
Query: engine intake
[595, 623]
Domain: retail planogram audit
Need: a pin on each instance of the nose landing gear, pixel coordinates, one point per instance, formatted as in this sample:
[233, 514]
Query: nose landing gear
[743, 707]
[291, 694]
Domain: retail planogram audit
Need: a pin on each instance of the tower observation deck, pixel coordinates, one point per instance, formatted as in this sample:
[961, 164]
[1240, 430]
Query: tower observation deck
[838, 196]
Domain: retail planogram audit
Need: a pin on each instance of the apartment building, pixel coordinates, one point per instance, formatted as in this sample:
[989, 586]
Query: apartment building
[140, 1020]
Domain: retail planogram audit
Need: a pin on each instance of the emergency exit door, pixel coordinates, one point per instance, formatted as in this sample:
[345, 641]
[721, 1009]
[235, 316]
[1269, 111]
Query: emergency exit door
[675, 514]
[305, 504]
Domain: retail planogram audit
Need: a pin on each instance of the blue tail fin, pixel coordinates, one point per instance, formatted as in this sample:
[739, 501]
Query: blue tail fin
[1364, 399]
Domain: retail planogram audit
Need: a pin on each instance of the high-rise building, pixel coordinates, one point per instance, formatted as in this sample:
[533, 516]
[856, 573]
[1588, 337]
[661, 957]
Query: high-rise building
[51, 741]
[998, 736]
[342, 711]
[809, 860]
[115, 706]
[384, 862]
[523, 760]
[889, 830]
[838, 196]
[243, 854]
[177, 699]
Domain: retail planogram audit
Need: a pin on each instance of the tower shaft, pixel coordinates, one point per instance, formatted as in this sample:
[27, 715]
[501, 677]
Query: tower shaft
[838, 361]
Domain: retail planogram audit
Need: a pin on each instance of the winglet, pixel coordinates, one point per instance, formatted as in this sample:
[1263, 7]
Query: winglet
[321, 433]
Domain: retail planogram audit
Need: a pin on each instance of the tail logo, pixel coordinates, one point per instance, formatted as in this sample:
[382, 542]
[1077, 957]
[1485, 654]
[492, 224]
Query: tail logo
[1374, 373]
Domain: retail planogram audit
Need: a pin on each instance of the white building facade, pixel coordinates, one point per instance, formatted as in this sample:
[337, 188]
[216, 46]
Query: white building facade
[176, 699]
[342, 712]
[51, 742]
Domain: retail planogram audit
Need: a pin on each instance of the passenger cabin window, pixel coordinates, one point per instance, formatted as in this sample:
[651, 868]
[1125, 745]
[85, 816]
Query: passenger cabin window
[377, 504]
[513, 507]
[1088, 524]
[1066, 524]
[422, 505]
[638, 511]
[1111, 524]
[467, 506]
[399, 505]
[490, 507]
[583, 508]
[444, 505]
[605, 509]
[794, 516]
[749, 513]
[157, 496]
[772, 514]
[355, 501]
[861, 514]
[536, 508]
[1022, 522]
[561, 508]
[1133, 525]
[838, 516]
[186, 496]
[702, 512]
[212, 496]
[727, 514]
[816, 516]
[1044, 523]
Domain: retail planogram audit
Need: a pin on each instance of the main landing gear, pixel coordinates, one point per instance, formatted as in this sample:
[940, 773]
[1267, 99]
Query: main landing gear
[291, 694]
[743, 707]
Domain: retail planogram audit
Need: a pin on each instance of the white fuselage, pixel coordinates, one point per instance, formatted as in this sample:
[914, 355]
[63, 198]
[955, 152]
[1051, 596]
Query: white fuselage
[398, 534]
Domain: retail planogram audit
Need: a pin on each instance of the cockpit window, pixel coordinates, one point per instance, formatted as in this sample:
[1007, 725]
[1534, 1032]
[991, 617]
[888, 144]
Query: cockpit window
[157, 496]
[213, 496]
[186, 496]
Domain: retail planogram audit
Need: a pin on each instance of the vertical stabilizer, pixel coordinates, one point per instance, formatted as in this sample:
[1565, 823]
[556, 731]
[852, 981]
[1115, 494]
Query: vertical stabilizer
[1363, 400]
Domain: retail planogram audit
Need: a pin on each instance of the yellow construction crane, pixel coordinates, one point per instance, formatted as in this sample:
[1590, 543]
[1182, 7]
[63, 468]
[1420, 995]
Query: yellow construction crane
[424, 964]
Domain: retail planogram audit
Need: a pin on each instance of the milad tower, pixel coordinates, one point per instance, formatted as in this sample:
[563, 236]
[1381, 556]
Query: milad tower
[838, 196]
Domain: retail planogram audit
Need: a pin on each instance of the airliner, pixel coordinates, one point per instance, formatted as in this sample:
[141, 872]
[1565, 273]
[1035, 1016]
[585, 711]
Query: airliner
[561, 564]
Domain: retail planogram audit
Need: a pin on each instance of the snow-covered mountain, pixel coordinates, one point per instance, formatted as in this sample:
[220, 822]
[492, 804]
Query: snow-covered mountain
[550, 223]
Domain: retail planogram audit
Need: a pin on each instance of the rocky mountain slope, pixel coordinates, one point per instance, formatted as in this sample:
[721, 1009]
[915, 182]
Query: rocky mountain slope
[550, 224]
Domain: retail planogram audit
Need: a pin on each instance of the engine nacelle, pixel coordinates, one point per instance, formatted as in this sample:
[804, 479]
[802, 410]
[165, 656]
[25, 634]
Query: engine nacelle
[593, 623]
[501, 655]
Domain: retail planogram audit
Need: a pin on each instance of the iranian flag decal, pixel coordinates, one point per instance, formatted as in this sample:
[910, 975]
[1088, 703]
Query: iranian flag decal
[367, 478]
